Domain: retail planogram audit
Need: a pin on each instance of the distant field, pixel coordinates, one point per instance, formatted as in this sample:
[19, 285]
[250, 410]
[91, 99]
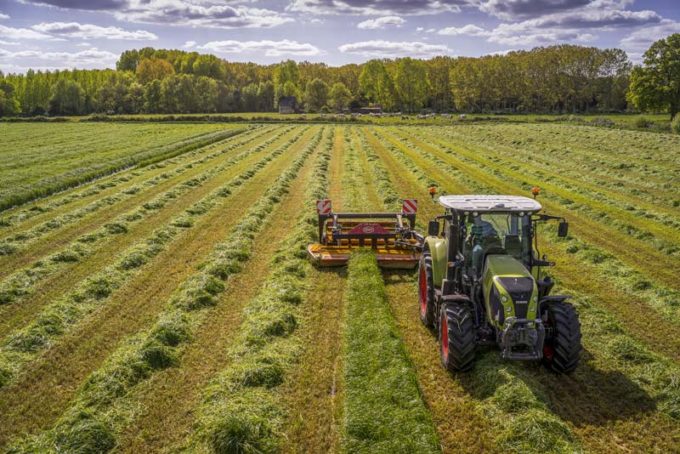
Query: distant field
[170, 307]
[38, 159]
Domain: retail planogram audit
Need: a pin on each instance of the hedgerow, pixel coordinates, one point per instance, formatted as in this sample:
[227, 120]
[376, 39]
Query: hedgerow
[57, 317]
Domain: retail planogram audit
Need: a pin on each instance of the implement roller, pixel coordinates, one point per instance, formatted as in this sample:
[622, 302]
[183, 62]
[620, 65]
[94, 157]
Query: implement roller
[391, 235]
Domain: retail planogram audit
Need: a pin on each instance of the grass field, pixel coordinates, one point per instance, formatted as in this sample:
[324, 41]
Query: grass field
[155, 294]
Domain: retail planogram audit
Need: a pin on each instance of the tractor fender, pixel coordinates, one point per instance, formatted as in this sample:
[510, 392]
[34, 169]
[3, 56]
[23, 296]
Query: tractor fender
[551, 299]
[438, 248]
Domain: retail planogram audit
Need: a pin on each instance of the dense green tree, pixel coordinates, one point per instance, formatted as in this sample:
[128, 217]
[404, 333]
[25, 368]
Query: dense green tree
[249, 98]
[316, 95]
[656, 84]
[376, 84]
[411, 84]
[339, 96]
[67, 98]
[150, 69]
[265, 95]
[286, 79]
[152, 97]
[9, 105]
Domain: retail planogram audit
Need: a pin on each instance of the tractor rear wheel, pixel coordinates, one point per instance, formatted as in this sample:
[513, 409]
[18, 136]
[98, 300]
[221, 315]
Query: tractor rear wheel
[457, 337]
[426, 303]
[562, 347]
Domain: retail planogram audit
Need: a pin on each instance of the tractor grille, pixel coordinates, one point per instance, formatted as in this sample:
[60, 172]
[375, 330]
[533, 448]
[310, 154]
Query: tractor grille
[520, 289]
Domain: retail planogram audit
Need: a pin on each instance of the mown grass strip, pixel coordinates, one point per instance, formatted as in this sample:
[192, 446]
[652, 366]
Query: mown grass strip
[141, 160]
[131, 180]
[23, 238]
[242, 410]
[663, 237]
[99, 406]
[604, 338]
[59, 316]
[384, 411]
[595, 229]
[22, 283]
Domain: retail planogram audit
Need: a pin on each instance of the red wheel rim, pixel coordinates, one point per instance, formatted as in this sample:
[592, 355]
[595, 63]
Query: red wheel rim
[445, 339]
[422, 284]
[548, 352]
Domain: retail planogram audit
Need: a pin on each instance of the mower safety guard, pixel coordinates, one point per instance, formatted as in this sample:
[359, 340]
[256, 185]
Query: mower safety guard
[390, 235]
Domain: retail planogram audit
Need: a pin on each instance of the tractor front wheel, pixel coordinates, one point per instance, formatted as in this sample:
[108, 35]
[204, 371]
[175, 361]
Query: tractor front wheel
[562, 346]
[426, 290]
[457, 337]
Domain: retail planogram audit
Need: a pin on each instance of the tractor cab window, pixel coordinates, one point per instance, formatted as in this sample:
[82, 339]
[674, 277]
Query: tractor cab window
[496, 233]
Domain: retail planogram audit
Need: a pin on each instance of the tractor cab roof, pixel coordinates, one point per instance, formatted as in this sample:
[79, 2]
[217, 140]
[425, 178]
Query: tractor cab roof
[490, 203]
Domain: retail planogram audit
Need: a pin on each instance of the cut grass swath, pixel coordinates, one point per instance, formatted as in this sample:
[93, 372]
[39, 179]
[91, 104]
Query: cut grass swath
[384, 411]
[22, 283]
[242, 411]
[142, 159]
[99, 404]
[56, 318]
[26, 237]
[128, 182]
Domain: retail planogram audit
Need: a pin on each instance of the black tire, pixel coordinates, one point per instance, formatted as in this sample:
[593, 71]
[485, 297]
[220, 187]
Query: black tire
[426, 303]
[562, 350]
[457, 337]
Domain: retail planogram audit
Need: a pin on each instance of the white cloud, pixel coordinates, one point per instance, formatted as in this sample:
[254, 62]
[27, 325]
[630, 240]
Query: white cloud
[512, 9]
[194, 13]
[189, 44]
[3, 16]
[86, 59]
[390, 49]
[22, 33]
[9, 43]
[469, 29]
[199, 13]
[381, 23]
[420, 29]
[376, 7]
[266, 47]
[640, 40]
[90, 31]
[522, 36]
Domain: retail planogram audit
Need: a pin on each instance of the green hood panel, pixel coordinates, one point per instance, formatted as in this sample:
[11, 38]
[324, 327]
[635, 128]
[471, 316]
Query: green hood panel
[498, 299]
[504, 265]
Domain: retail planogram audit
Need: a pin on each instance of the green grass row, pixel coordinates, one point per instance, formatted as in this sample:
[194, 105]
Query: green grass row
[91, 424]
[49, 170]
[662, 238]
[59, 316]
[242, 410]
[12, 244]
[632, 175]
[639, 286]
[12, 220]
[21, 284]
[383, 408]
[611, 348]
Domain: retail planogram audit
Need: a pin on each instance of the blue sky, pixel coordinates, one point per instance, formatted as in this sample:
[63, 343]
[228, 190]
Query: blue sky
[58, 34]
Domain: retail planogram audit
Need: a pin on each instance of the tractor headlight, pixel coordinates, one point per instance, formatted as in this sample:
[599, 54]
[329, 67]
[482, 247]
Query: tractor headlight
[504, 299]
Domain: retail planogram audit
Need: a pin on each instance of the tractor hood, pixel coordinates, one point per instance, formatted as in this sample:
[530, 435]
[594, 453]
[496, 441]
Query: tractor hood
[509, 289]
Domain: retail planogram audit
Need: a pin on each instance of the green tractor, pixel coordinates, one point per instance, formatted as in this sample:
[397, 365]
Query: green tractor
[480, 283]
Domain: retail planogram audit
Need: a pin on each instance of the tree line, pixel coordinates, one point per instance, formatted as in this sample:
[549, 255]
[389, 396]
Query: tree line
[563, 78]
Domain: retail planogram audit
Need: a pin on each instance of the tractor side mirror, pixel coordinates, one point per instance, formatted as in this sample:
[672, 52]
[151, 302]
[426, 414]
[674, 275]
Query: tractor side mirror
[563, 229]
[433, 228]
